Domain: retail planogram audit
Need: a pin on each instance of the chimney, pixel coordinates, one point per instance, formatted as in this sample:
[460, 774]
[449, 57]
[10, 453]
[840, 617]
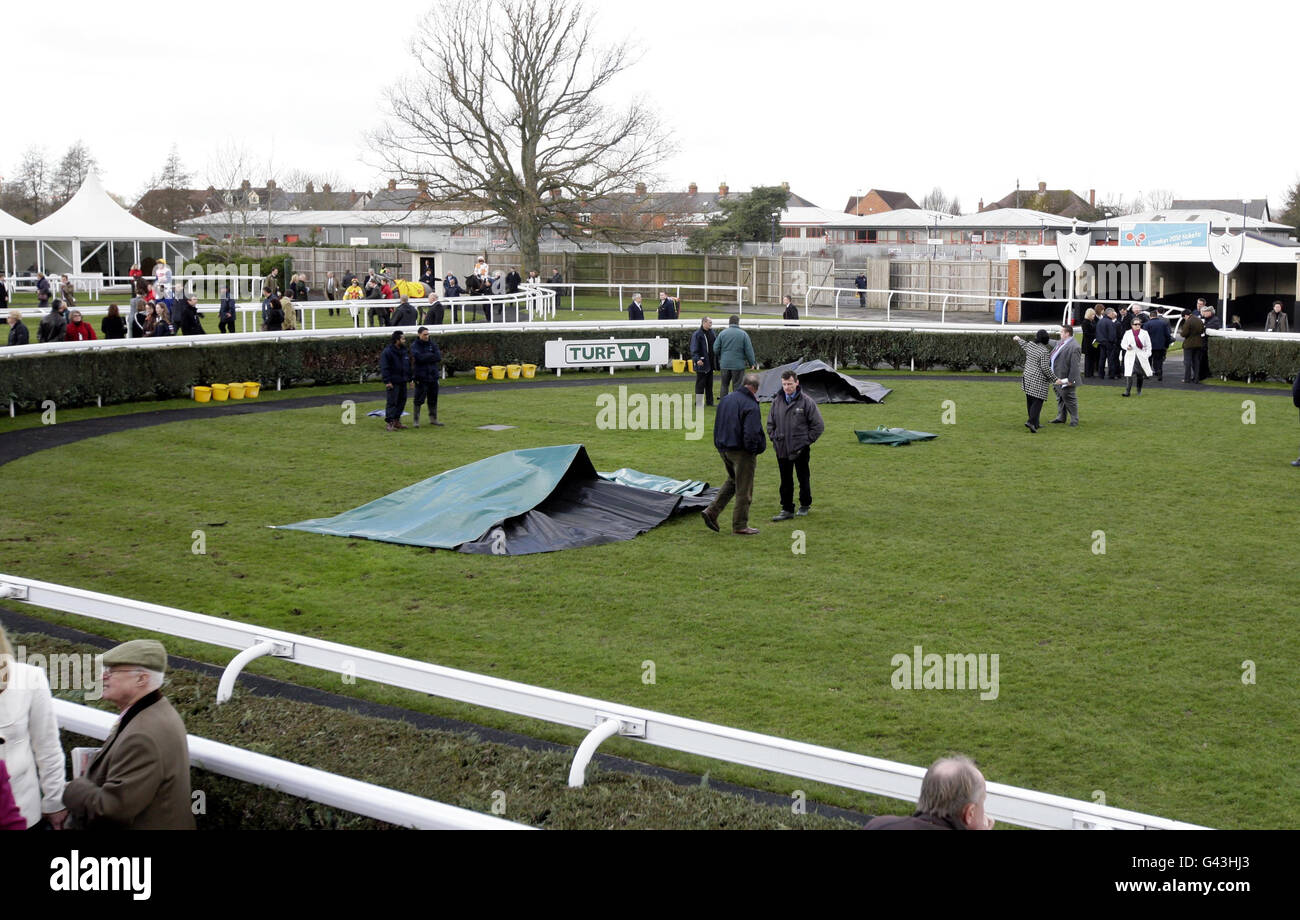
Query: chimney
[640, 188]
[1092, 197]
[692, 189]
[270, 185]
[392, 185]
[326, 188]
[311, 187]
[981, 204]
[245, 185]
[786, 186]
[722, 190]
[1042, 187]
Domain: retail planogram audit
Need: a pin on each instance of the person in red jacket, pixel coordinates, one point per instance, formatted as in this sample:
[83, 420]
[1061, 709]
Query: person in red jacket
[78, 330]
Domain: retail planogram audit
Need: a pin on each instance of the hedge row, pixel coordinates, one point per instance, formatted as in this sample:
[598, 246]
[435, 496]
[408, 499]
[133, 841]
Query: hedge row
[124, 375]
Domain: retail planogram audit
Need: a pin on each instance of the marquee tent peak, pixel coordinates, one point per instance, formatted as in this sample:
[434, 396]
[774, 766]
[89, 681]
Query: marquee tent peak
[92, 214]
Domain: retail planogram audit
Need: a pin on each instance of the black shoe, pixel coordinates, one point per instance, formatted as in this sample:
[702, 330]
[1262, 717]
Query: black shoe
[1125, 393]
[783, 516]
[803, 511]
[710, 521]
[1074, 424]
[1030, 426]
[438, 423]
[1058, 421]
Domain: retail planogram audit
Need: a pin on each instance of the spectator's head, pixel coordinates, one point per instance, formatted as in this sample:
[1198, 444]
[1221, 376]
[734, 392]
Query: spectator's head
[76, 316]
[706, 323]
[637, 297]
[735, 320]
[423, 333]
[1207, 311]
[405, 299]
[1067, 332]
[399, 338]
[1110, 312]
[954, 788]
[1090, 313]
[1200, 303]
[57, 305]
[132, 670]
[15, 318]
[1277, 306]
[789, 382]
[785, 299]
[112, 310]
[750, 382]
[1041, 337]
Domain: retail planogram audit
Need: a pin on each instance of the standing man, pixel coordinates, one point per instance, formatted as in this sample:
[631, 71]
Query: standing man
[331, 292]
[426, 361]
[735, 353]
[395, 367]
[1193, 332]
[226, 312]
[1067, 367]
[513, 280]
[669, 307]
[1108, 344]
[702, 359]
[860, 283]
[793, 423]
[405, 314]
[1277, 320]
[738, 436]
[42, 290]
[791, 311]
[140, 777]
[18, 335]
[634, 310]
[1157, 328]
[53, 325]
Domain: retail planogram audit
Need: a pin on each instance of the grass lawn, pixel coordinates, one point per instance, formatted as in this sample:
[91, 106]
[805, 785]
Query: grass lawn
[1119, 671]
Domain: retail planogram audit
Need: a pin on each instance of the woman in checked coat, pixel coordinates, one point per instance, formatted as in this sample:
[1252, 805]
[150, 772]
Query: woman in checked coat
[1037, 378]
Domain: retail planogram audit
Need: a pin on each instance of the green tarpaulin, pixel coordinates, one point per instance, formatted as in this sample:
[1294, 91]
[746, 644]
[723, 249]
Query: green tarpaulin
[892, 437]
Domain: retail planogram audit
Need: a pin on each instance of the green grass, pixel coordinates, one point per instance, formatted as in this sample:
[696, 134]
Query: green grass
[1119, 672]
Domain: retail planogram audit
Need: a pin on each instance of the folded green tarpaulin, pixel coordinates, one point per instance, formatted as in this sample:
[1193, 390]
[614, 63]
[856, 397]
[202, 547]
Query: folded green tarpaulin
[522, 501]
[892, 437]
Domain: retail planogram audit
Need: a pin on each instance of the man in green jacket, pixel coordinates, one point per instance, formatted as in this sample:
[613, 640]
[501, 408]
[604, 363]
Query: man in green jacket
[735, 354]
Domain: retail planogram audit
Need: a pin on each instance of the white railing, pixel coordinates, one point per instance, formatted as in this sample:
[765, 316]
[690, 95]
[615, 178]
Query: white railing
[946, 297]
[871, 775]
[634, 287]
[351, 795]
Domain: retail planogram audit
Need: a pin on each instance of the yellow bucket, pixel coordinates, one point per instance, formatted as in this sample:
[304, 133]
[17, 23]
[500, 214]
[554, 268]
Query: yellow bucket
[529, 371]
[498, 372]
[252, 388]
[679, 366]
[480, 373]
[236, 391]
[220, 392]
[202, 394]
[512, 371]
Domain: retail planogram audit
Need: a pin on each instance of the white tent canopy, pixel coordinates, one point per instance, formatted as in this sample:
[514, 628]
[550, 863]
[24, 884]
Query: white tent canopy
[92, 235]
[10, 227]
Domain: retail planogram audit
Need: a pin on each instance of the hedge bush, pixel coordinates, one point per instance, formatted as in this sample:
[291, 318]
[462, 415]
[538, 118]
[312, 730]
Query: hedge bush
[1253, 359]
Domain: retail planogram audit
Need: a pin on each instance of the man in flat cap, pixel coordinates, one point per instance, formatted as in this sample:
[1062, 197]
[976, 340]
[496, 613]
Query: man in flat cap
[140, 777]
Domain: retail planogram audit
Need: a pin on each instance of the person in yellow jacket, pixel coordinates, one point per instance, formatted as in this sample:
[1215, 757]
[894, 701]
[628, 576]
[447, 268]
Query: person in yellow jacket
[353, 292]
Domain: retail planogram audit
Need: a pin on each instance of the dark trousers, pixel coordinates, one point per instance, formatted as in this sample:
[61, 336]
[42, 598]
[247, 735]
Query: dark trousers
[1158, 362]
[1109, 360]
[862, 298]
[740, 466]
[790, 467]
[1090, 360]
[226, 325]
[426, 392]
[731, 381]
[396, 402]
[1035, 406]
[1191, 364]
[704, 384]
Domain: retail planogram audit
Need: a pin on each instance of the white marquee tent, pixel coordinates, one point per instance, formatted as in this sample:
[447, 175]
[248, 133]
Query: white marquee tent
[91, 235]
[11, 228]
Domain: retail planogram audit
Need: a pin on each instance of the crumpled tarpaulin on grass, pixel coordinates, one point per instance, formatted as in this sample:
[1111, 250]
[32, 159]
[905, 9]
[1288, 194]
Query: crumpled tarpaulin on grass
[823, 383]
[892, 437]
[523, 501]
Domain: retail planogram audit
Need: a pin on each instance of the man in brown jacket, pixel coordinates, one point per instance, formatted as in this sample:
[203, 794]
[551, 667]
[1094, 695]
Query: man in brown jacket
[1192, 329]
[140, 777]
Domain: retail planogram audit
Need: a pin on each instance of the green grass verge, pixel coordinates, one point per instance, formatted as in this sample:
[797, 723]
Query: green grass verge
[1120, 671]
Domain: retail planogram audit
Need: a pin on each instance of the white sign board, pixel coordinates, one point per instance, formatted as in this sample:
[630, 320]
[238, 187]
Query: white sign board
[606, 352]
[389, 235]
[358, 241]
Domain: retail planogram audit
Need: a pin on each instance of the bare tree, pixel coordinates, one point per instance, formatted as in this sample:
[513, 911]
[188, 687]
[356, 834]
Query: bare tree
[1159, 199]
[72, 170]
[228, 171]
[936, 200]
[166, 200]
[29, 195]
[505, 117]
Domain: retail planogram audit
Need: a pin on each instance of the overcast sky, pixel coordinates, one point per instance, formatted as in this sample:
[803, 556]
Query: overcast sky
[833, 97]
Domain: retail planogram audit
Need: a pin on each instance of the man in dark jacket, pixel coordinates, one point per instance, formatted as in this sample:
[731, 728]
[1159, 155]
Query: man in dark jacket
[790, 311]
[435, 311]
[702, 359]
[860, 283]
[513, 280]
[634, 309]
[42, 289]
[669, 307]
[952, 798]
[405, 314]
[426, 361]
[793, 423]
[53, 325]
[189, 322]
[738, 436]
[18, 334]
[226, 312]
[1193, 332]
[1157, 327]
[1108, 345]
[395, 368]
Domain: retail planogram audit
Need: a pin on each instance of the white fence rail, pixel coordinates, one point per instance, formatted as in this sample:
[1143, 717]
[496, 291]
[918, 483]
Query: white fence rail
[351, 795]
[622, 286]
[872, 775]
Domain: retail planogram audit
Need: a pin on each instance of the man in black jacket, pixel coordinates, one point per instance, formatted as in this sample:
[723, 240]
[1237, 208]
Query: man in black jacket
[738, 436]
[18, 334]
[513, 281]
[53, 324]
[702, 360]
[405, 314]
[790, 311]
[860, 283]
[426, 360]
[395, 368]
[1108, 345]
[634, 309]
[793, 423]
[1157, 327]
[669, 307]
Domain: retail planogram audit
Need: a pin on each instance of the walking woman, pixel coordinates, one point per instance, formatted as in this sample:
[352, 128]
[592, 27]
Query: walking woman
[1136, 346]
[1037, 378]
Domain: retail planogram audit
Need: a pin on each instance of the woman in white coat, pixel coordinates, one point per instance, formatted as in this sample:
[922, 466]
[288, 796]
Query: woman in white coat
[31, 750]
[1136, 347]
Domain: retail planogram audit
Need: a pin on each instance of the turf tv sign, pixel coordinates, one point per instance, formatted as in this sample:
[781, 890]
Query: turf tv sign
[606, 352]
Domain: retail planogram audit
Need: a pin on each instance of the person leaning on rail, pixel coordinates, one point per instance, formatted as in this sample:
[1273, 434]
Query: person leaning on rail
[952, 798]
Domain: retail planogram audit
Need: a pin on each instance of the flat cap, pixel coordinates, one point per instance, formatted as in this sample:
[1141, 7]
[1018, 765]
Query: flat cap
[142, 653]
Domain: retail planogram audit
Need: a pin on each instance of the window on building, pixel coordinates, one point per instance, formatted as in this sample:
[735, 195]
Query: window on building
[814, 232]
[790, 233]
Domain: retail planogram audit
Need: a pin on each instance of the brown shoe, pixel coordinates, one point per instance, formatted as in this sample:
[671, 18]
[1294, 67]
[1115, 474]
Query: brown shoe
[398, 426]
[745, 531]
[389, 427]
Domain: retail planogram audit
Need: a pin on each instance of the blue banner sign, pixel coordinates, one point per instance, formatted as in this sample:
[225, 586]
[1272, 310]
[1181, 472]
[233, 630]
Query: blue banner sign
[1156, 234]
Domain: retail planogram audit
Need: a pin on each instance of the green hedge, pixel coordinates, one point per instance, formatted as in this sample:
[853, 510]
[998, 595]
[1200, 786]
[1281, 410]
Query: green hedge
[1253, 359]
